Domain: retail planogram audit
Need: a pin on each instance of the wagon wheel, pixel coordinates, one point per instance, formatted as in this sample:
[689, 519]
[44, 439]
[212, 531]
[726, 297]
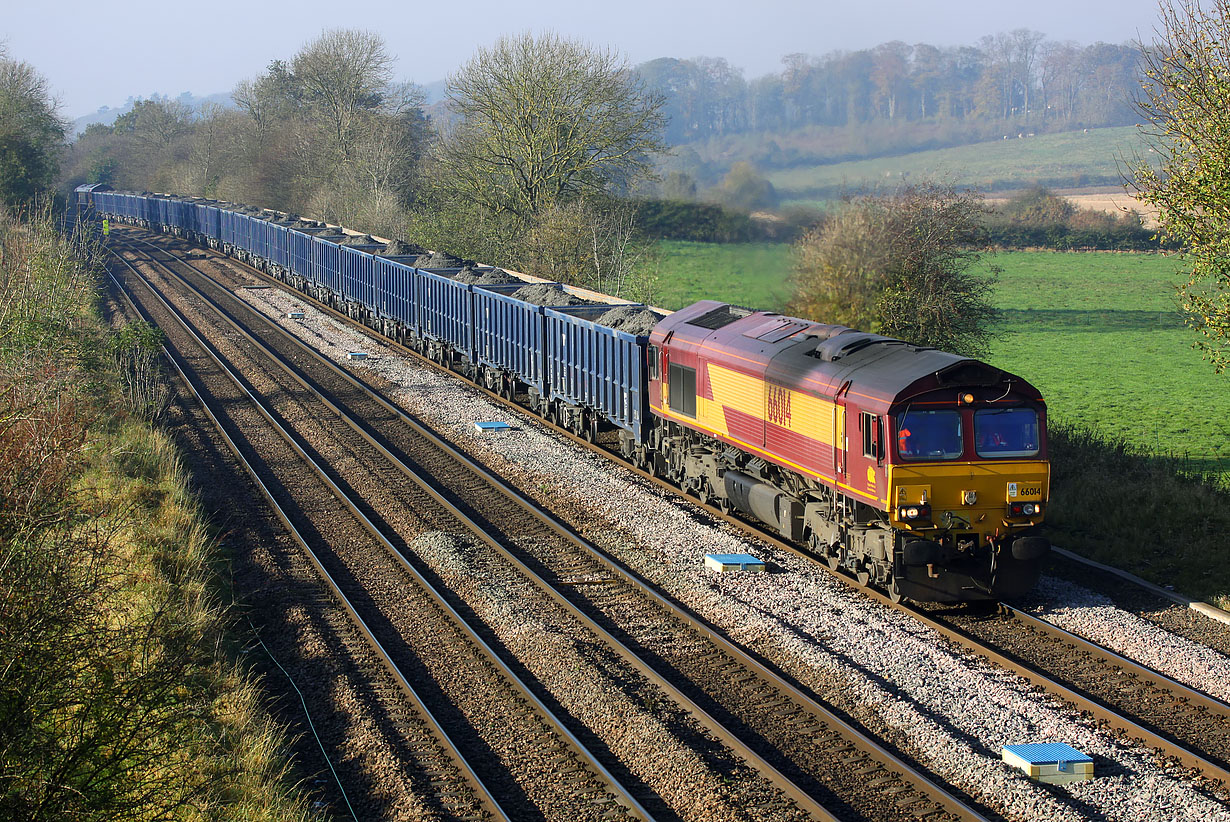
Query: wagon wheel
[894, 591]
[702, 492]
[589, 432]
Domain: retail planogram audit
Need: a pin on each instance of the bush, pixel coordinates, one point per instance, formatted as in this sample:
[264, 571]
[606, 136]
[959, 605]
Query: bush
[699, 222]
[114, 703]
[1038, 218]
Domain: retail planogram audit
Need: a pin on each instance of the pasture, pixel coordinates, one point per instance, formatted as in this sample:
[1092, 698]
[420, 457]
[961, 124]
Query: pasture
[1065, 160]
[1097, 332]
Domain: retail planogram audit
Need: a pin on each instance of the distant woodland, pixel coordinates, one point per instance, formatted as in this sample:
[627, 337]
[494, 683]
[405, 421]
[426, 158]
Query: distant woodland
[889, 99]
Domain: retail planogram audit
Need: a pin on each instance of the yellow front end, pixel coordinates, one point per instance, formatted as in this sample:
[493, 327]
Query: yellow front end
[969, 497]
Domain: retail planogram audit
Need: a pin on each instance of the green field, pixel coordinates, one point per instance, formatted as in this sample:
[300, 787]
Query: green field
[1066, 160]
[1097, 332]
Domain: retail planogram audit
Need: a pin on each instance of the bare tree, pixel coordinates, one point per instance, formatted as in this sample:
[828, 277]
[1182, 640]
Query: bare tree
[342, 74]
[31, 132]
[543, 119]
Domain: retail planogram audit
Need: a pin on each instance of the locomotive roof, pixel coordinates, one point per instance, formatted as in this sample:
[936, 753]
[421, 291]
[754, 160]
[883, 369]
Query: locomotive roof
[823, 358]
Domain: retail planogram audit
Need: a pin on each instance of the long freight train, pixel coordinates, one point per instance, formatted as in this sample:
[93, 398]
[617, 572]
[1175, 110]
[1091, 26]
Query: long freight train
[922, 473]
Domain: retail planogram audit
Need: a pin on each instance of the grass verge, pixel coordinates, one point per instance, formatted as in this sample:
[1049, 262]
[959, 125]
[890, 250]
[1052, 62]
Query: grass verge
[119, 697]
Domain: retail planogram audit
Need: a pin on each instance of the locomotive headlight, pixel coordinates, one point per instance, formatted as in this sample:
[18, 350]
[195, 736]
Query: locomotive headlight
[910, 513]
[1025, 509]
[969, 497]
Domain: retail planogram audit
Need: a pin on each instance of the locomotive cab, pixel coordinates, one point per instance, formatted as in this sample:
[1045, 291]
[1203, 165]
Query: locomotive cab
[968, 482]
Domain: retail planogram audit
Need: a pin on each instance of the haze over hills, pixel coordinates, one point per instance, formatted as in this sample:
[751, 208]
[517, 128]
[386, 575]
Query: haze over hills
[106, 115]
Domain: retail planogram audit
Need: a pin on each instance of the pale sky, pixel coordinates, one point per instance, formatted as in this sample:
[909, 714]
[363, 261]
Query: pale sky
[100, 53]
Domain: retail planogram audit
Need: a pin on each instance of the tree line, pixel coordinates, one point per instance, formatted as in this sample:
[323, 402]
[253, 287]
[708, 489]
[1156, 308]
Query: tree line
[1018, 78]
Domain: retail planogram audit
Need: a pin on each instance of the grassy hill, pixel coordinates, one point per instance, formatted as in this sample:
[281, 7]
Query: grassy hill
[1065, 160]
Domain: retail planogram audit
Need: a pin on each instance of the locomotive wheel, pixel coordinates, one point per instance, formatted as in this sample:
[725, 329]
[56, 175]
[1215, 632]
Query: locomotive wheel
[832, 558]
[894, 591]
[863, 576]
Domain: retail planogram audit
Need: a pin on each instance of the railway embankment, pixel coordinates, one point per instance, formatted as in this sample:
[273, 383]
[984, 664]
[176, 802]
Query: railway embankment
[120, 696]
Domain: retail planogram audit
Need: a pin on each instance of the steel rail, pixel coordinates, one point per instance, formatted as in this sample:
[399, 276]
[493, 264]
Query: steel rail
[486, 798]
[807, 701]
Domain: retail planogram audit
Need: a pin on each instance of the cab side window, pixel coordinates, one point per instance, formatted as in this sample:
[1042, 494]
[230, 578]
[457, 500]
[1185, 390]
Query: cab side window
[872, 441]
[655, 363]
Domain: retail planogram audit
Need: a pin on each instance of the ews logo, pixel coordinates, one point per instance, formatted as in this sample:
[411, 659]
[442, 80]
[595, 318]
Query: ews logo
[778, 406]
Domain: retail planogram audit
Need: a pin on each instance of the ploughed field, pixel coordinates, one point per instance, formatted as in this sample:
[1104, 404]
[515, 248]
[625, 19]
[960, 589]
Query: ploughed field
[1098, 333]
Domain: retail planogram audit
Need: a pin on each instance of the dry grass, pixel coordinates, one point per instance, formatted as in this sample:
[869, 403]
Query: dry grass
[117, 698]
[1104, 199]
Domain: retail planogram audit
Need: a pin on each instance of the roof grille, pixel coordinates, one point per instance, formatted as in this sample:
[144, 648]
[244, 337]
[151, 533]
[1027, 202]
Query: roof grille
[720, 316]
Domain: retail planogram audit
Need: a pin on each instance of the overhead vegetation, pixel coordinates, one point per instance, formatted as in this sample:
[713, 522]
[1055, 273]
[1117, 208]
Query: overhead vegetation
[1186, 97]
[902, 264]
[31, 132]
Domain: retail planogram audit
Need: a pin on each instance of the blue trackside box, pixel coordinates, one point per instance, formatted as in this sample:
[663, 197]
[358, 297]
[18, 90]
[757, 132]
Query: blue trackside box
[1052, 762]
[508, 332]
[727, 563]
[593, 365]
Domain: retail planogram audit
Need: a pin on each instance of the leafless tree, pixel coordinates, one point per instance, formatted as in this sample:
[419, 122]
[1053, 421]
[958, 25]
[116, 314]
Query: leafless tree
[342, 74]
[544, 119]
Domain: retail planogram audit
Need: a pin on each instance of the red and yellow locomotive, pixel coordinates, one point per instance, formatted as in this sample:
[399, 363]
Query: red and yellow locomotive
[923, 473]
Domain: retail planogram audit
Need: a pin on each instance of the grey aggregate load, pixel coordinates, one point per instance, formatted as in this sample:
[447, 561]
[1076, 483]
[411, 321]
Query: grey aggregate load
[438, 259]
[396, 248]
[484, 276]
[547, 294]
[360, 239]
[632, 319]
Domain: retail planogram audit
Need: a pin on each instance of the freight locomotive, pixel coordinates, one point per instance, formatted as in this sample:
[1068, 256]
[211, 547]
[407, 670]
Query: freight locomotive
[920, 472]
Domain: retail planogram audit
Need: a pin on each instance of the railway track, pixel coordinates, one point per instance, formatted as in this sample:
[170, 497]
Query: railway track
[794, 740]
[503, 726]
[1181, 722]
[1186, 727]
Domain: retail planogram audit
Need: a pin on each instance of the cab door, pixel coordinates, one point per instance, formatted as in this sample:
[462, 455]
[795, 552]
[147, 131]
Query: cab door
[840, 445]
